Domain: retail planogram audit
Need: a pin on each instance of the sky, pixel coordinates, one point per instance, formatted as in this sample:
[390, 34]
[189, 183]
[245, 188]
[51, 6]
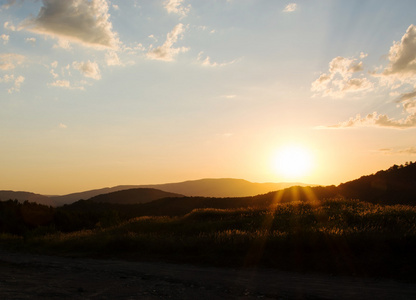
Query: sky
[102, 93]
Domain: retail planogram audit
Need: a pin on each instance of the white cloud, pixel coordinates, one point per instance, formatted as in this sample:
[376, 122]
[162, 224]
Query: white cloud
[139, 47]
[9, 26]
[176, 7]
[61, 83]
[31, 40]
[16, 81]
[339, 80]
[81, 21]
[5, 38]
[167, 52]
[291, 7]
[9, 61]
[152, 37]
[402, 58]
[115, 7]
[63, 43]
[88, 69]
[55, 75]
[62, 126]
[112, 59]
[401, 70]
[6, 78]
[207, 62]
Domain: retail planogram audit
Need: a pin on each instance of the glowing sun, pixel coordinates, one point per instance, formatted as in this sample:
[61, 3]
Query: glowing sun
[293, 161]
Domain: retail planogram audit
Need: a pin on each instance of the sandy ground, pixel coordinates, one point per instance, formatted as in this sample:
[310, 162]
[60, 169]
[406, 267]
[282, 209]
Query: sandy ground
[27, 276]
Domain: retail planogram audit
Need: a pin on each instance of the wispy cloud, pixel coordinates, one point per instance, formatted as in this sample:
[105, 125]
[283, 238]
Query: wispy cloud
[230, 96]
[9, 26]
[405, 151]
[63, 43]
[88, 69]
[8, 4]
[177, 7]
[379, 120]
[15, 81]
[66, 85]
[4, 38]
[80, 21]
[167, 52]
[291, 7]
[31, 40]
[112, 59]
[206, 62]
[61, 83]
[9, 61]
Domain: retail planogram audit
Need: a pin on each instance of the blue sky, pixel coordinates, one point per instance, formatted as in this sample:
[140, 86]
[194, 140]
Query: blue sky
[100, 93]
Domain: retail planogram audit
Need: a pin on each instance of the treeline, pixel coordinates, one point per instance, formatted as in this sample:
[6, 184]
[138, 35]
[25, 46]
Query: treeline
[18, 218]
[27, 217]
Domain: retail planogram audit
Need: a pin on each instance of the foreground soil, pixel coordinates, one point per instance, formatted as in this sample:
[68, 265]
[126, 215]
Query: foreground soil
[29, 276]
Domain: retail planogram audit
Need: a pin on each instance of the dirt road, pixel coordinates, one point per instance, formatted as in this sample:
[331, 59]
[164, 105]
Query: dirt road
[27, 276]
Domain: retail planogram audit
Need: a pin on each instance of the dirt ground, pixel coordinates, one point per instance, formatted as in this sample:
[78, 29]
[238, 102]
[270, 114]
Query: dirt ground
[28, 276]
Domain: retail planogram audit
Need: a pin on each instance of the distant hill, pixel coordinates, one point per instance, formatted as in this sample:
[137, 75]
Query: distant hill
[70, 198]
[133, 196]
[221, 187]
[397, 185]
[23, 196]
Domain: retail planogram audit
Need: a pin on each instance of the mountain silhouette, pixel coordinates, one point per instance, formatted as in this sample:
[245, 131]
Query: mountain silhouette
[26, 196]
[211, 187]
[70, 198]
[133, 196]
[396, 185]
[221, 187]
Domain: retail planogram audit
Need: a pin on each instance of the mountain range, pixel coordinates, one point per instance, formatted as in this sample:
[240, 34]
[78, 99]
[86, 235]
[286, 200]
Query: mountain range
[396, 185]
[210, 187]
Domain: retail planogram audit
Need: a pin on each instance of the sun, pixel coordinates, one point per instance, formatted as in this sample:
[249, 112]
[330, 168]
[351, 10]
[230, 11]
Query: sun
[293, 161]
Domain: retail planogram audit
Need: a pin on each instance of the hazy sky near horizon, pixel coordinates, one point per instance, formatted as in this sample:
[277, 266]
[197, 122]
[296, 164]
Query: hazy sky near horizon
[101, 93]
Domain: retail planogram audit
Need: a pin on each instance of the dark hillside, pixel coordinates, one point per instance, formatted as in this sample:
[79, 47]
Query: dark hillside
[179, 206]
[397, 185]
[26, 196]
[133, 196]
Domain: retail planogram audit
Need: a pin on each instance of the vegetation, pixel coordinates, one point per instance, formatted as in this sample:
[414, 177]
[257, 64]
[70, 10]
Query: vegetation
[299, 229]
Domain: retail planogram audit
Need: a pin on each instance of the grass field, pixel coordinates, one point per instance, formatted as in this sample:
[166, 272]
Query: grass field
[337, 236]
